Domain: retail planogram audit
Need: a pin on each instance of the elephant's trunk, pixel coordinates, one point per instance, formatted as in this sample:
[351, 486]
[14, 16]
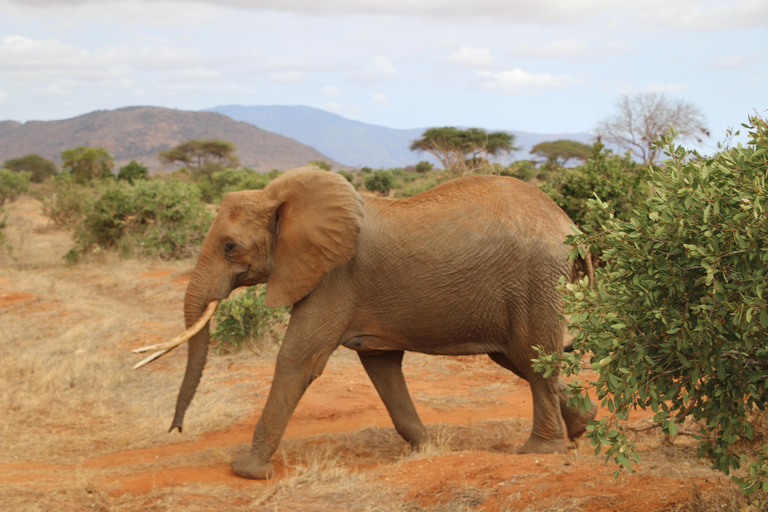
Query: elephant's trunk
[196, 301]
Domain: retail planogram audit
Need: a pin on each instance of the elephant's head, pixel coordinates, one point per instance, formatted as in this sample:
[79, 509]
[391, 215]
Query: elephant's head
[290, 235]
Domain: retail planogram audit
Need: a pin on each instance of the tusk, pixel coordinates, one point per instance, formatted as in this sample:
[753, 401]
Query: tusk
[164, 348]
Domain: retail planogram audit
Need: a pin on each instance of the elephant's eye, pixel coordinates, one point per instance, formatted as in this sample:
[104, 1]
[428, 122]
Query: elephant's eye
[229, 246]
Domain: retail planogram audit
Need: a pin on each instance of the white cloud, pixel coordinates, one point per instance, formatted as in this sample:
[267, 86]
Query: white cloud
[541, 11]
[377, 70]
[703, 15]
[518, 81]
[729, 62]
[475, 58]
[666, 88]
[287, 77]
[382, 100]
[34, 58]
[570, 49]
[553, 50]
[331, 92]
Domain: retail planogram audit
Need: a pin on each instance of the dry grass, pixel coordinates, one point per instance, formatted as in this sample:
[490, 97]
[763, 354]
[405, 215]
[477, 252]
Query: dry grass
[68, 397]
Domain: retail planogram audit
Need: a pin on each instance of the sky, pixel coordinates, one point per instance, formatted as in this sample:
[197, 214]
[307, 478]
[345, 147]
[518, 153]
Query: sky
[544, 66]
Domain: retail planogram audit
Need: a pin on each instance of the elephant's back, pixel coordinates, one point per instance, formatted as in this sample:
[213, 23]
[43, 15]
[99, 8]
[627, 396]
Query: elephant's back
[482, 205]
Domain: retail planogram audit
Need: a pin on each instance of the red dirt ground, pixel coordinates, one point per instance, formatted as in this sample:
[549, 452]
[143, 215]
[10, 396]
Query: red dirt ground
[483, 410]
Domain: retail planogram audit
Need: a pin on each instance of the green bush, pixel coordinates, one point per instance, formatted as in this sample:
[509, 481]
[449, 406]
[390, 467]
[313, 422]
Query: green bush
[617, 181]
[380, 181]
[424, 167]
[41, 168]
[215, 187]
[152, 218]
[418, 187]
[87, 164]
[321, 164]
[66, 205]
[245, 321]
[522, 169]
[4, 245]
[13, 184]
[347, 175]
[678, 320]
[133, 172]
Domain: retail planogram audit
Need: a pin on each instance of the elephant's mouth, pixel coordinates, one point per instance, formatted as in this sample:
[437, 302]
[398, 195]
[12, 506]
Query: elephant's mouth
[164, 348]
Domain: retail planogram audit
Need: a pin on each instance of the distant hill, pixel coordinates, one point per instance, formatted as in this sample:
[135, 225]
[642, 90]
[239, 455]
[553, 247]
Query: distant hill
[140, 132]
[359, 144]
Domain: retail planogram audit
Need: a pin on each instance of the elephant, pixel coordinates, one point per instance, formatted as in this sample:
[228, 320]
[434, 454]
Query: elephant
[469, 267]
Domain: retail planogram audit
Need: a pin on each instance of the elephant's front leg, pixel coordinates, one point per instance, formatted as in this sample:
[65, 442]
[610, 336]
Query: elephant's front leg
[386, 373]
[293, 374]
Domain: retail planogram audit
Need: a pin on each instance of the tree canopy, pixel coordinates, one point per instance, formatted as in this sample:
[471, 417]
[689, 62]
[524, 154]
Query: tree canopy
[464, 151]
[133, 172]
[641, 119]
[39, 167]
[561, 151]
[87, 164]
[202, 156]
[12, 184]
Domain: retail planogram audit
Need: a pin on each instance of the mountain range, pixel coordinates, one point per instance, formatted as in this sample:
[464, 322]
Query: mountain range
[267, 137]
[138, 133]
[360, 144]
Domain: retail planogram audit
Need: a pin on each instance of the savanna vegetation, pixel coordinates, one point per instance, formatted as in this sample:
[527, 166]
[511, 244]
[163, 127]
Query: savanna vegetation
[676, 322]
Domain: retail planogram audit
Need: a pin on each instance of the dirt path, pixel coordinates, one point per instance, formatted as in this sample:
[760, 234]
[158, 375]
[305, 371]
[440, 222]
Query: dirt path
[80, 431]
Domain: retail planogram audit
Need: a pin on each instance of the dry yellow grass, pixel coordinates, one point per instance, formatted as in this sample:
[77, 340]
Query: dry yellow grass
[80, 431]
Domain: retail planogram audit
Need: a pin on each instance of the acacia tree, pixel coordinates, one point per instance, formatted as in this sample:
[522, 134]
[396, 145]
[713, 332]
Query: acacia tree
[87, 164]
[202, 157]
[38, 166]
[641, 119]
[464, 151]
[561, 151]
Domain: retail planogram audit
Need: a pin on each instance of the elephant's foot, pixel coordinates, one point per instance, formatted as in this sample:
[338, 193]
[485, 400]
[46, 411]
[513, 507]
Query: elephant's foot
[576, 422]
[416, 436]
[536, 444]
[250, 466]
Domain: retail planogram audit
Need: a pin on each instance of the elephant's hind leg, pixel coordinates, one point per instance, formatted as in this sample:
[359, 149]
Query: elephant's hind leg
[575, 421]
[548, 435]
[386, 373]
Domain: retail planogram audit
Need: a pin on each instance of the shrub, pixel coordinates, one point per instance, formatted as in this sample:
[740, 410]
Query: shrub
[41, 168]
[245, 320]
[214, 188]
[347, 175]
[87, 164]
[321, 164]
[424, 166]
[66, 206]
[152, 218]
[380, 181]
[133, 172]
[13, 184]
[678, 321]
[3, 239]
[418, 187]
[617, 181]
[522, 169]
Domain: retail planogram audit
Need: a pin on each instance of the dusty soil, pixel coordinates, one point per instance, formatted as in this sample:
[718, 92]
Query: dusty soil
[81, 431]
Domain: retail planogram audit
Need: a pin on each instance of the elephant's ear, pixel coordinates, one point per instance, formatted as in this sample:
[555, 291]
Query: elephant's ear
[319, 215]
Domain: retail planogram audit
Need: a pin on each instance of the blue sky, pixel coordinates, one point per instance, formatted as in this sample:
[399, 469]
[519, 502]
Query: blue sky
[549, 66]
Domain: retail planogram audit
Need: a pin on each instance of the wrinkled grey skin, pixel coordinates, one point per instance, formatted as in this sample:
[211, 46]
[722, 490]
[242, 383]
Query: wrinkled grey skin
[469, 267]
